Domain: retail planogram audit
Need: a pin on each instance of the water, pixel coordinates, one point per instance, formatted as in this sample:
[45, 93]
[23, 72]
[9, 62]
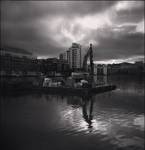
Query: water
[108, 121]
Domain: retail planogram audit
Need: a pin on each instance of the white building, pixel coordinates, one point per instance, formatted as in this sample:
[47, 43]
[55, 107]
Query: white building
[74, 56]
[105, 69]
[95, 69]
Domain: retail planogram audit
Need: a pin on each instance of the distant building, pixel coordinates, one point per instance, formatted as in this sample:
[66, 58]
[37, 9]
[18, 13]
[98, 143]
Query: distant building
[100, 69]
[17, 62]
[95, 69]
[63, 56]
[126, 68]
[105, 70]
[53, 66]
[139, 63]
[17, 52]
[140, 67]
[68, 57]
[113, 69]
[73, 56]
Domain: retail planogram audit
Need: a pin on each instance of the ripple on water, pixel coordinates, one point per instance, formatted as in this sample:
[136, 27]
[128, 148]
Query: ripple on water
[114, 118]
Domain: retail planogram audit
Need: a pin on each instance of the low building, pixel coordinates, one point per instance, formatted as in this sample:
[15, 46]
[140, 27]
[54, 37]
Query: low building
[100, 69]
[126, 68]
[17, 62]
[54, 66]
[113, 69]
[63, 56]
[140, 67]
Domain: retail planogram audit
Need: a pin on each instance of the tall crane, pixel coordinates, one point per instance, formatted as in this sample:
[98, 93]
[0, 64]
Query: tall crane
[89, 54]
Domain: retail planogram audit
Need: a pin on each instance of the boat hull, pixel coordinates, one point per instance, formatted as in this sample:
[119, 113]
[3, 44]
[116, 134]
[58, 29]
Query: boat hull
[79, 91]
[58, 90]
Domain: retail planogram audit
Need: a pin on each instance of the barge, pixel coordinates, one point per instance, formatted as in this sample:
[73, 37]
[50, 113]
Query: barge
[78, 91]
[58, 90]
[79, 83]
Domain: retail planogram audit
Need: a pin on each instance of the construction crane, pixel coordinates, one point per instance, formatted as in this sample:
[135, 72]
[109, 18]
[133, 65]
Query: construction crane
[89, 54]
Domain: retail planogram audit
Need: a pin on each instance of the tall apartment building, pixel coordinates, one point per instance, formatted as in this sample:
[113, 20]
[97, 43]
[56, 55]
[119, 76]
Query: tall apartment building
[73, 56]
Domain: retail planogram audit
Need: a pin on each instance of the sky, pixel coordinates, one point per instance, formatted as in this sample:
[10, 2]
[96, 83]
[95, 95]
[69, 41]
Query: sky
[47, 28]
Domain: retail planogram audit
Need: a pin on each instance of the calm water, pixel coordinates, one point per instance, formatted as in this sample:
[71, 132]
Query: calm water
[107, 121]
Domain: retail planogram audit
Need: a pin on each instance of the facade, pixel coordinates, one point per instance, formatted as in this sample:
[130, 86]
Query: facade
[95, 69]
[140, 65]
[54, 66]
[68, 57]
[73, 56]
[63, 56]
[17, 62]
[137, 68]
[113, 69]
[125, 68]
[100, 69]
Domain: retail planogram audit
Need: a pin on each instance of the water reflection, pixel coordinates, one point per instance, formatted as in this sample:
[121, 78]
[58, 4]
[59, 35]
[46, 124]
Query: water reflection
[87, 115]
[111, 120]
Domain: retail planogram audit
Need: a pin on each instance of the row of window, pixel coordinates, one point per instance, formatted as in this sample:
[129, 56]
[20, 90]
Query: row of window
[20, 64]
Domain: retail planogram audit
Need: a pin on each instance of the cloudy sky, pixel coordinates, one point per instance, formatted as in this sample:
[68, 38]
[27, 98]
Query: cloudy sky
[47, 28]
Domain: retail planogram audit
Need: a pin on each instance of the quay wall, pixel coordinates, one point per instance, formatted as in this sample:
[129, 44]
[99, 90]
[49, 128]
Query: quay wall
[23, 82]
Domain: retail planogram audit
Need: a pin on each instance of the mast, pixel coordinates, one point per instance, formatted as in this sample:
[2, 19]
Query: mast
[89, 55]
[91, 61]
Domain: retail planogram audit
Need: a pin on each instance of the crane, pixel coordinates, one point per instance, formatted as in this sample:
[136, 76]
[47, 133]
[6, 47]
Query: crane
[89, 54]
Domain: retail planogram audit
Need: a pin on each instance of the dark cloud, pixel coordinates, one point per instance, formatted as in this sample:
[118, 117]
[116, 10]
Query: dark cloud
[117, 43]
[27, 10]
[45, 28]
[130, 15]
[122, 46]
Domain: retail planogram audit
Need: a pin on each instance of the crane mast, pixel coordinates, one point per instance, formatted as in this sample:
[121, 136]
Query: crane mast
[89, 54]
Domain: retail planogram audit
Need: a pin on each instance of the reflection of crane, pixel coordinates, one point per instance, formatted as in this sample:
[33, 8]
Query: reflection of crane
[89, 54]
[88, 115]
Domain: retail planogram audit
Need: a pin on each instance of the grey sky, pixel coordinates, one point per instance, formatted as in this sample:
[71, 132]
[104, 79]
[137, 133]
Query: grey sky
[47, 28]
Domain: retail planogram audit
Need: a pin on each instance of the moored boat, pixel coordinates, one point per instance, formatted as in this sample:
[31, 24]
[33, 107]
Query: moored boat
[79, 91]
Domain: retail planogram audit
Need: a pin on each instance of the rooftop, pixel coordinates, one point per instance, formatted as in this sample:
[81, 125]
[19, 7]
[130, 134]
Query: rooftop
[15, 50]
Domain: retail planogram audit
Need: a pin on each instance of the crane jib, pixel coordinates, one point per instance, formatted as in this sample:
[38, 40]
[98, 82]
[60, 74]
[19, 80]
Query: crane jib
[89, 55]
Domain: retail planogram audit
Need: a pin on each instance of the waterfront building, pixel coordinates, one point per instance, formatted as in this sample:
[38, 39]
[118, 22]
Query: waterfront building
[140, 67]
[95, 69]
[126, 68]
[105, 70]
[17, 62]
[100, 69]
[74, 56]
[113, 69]
[54, 66]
